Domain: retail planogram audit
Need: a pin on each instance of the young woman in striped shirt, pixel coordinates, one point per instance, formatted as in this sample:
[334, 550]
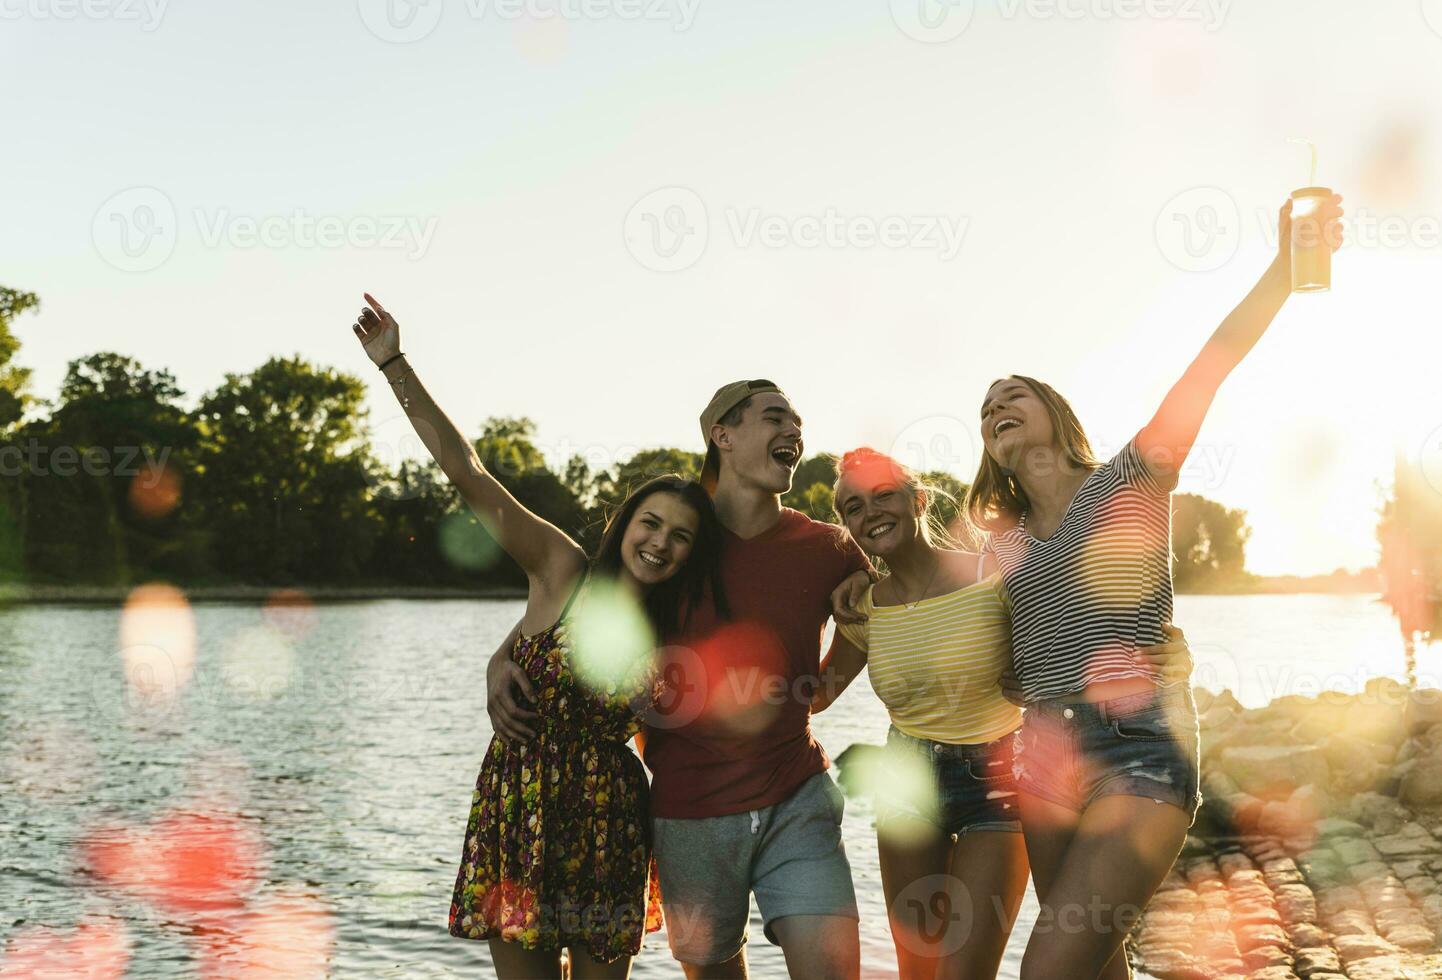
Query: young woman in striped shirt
[937, 639]
[1107, 758]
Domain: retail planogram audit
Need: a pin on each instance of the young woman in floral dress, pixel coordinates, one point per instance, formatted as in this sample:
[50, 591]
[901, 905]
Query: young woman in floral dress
[557, 852]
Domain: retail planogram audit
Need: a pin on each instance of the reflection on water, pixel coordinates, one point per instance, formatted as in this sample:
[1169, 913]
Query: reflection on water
[281, 789]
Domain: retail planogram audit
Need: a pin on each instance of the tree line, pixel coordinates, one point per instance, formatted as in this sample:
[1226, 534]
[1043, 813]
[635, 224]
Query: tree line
[272, 478]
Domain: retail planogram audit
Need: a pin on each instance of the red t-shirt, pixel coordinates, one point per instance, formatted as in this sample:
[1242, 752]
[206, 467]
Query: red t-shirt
[734, 730]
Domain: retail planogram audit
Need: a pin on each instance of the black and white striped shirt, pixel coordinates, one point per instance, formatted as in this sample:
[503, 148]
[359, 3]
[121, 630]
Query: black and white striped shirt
[1086, 598]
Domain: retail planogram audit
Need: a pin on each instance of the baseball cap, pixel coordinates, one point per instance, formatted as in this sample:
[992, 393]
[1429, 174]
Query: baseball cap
[726, 398]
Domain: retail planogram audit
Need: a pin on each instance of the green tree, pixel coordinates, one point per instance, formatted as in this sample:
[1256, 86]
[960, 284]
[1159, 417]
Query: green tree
[1209, 544]
[14, 380]
[283, 474]
[111, 462]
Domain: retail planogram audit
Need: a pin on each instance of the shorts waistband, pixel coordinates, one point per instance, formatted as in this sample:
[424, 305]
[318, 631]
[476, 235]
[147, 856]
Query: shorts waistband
[1179, 693]
[954, 750]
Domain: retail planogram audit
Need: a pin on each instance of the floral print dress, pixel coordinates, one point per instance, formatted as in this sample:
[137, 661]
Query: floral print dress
[557, 850]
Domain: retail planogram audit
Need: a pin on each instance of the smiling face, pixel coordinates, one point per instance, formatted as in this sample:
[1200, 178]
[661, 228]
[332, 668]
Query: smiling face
[880, 511]
[764, 446]
[659, 538]
[1014, 420]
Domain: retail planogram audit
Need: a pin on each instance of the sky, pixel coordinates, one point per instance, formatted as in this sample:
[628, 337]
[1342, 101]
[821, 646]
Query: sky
[595, 212]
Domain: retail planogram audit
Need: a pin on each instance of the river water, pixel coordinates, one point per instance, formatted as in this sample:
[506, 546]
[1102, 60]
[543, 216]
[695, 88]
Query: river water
[297, 803]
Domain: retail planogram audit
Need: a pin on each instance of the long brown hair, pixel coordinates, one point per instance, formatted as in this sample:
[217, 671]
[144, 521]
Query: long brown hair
[996, 500]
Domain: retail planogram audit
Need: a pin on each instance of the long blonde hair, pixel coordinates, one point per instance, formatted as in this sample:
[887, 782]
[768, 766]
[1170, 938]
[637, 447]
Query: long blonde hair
[934, 530]
[996, 500]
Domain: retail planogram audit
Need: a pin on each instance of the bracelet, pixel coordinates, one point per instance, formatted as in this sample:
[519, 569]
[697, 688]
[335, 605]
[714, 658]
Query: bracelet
[401, 391]
[391, 360]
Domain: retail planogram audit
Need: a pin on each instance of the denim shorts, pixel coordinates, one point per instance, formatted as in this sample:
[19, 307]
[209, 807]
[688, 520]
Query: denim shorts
[1145, 744]
[958, 788]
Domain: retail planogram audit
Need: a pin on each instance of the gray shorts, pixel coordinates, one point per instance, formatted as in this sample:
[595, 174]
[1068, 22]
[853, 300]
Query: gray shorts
[789, 854]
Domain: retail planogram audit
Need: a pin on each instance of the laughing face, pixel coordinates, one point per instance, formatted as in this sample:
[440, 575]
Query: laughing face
[1014, 421]
[659, 538]
[880, 512]
[765, 446]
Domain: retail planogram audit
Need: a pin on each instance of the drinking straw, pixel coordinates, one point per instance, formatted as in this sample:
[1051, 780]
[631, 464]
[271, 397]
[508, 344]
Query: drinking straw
[1312, 180]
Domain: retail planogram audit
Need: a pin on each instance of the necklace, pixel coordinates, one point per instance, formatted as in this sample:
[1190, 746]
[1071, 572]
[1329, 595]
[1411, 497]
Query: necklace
[912, 605]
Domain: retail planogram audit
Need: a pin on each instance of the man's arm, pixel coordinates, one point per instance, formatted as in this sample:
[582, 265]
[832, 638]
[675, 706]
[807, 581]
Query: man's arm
[506, 686]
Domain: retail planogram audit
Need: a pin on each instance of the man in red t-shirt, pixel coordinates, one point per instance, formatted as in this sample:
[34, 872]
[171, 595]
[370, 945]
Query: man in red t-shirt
[740, 799]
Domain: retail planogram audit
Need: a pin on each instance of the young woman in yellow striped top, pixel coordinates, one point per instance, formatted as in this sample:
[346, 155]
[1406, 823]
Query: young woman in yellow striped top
[936, 639]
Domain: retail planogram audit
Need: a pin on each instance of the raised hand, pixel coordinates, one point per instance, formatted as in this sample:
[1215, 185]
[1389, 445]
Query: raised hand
[377, 331]
[1324, 225]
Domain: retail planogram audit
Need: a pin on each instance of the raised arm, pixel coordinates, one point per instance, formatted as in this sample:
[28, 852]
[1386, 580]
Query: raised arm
[547, 555]
[842, 663]
[1168, 437]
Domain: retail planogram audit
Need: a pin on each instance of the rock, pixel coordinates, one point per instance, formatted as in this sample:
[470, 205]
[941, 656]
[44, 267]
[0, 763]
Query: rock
[1307, 934]
[1296, 903]
[1317, 959]
[1275, 771]
[1350, 922]
[1272, 973]
[1416, 938]
[1360, 947]
[1263, 956]
[1333, 827]
[1424, 709]
[1408, 844]
[1422, 780]
[1254, 934]
[1420, 887]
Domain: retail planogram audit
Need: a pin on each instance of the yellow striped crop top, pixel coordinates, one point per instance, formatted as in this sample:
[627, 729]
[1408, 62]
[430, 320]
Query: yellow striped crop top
[937, 665]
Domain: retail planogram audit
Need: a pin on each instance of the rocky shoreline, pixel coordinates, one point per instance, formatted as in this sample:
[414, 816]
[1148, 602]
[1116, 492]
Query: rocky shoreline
[1318, 851]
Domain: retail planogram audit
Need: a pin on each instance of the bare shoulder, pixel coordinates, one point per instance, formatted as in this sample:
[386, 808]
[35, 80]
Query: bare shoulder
[961, 567]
